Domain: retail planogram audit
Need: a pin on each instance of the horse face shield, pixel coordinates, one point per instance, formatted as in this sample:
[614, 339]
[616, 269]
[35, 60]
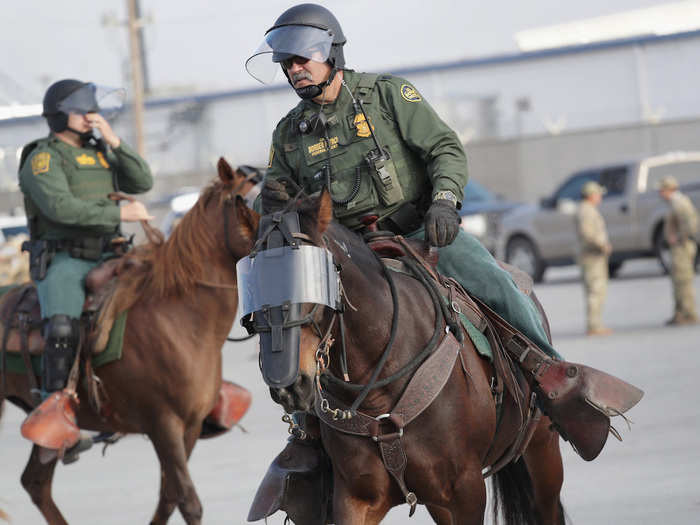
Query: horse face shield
[273, 283]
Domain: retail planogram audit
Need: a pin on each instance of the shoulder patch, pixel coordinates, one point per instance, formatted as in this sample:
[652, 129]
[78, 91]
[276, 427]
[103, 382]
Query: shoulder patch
[410, 94]
[41, 162]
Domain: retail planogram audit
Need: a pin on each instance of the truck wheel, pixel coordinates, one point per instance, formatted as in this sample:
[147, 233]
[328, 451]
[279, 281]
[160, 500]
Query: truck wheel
[614, 268]
[521, 252]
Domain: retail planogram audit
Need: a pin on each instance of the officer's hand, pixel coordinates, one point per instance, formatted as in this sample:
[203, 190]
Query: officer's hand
[98, 122]
[135, 211]
[274, 196]
[441, 223]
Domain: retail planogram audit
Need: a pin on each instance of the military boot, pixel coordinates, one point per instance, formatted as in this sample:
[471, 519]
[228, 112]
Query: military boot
[300, 479]
[61, 335]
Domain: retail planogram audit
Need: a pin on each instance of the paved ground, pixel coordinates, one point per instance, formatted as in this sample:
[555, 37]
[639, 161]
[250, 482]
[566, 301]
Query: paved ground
[652, 477]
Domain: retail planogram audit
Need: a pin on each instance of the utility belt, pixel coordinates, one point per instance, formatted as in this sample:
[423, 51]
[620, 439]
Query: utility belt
[41, 252]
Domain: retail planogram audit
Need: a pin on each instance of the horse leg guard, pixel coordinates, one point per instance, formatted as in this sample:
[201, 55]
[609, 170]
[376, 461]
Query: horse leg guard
[580, 401]
[61, 337]
[298, 482]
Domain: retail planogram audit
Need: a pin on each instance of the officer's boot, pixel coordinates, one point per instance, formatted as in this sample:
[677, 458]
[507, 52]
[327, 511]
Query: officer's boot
[300, 479]
[61, 335]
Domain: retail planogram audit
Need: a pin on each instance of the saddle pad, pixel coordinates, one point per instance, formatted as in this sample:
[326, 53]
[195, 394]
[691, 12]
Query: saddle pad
[478, 338]
[112, 352]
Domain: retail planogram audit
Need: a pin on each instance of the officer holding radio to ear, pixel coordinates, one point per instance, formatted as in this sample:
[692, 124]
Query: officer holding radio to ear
[381, 150]
[66, 178]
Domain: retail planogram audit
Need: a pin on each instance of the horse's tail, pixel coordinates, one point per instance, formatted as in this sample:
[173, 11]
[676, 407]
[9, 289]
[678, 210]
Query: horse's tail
[514, 499]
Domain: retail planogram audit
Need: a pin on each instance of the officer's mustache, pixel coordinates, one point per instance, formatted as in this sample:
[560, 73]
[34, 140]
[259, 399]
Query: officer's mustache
[301, 75]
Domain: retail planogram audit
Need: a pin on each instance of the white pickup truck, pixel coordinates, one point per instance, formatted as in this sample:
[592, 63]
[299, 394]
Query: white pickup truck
[535, 237]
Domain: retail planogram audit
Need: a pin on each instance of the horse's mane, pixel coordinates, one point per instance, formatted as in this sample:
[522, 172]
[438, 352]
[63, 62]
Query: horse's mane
[170, 268]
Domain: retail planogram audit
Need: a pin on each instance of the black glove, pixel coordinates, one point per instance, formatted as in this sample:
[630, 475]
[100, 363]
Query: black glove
[274, 196]
[441, 223]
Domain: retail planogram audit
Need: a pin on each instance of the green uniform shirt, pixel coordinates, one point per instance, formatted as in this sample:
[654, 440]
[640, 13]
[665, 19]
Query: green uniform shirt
[65, 188]
[426, 155]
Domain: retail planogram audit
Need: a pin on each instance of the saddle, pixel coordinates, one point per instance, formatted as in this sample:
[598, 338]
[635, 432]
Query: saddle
[20, 315]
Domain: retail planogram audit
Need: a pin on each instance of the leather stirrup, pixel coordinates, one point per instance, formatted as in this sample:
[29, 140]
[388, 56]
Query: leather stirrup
[298, 483]
[53, 423]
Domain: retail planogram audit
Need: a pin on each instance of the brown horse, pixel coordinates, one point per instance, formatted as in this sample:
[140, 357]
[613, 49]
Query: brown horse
[450, 442]
[182, 298]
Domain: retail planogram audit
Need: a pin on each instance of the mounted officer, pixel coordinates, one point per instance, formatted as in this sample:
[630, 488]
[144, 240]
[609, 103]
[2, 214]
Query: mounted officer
[66, 178]
[383, 152]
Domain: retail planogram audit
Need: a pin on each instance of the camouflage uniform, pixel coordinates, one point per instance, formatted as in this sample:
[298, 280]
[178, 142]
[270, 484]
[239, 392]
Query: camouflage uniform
[680, 228]
[594, 248]
[427, 159]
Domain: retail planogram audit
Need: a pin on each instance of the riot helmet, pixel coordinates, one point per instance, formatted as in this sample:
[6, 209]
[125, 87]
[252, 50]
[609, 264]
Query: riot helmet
[66, 96]
[309, 31]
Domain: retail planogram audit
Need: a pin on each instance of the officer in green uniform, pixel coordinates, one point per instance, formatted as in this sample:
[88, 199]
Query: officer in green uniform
[66, 178]
[680, 229]
[381, 149]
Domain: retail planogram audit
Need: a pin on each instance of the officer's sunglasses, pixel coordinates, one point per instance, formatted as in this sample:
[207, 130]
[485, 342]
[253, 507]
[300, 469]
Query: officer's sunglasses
[296, 59]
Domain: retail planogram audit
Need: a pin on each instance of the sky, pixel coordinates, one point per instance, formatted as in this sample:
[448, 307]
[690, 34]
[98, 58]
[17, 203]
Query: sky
[192, 46]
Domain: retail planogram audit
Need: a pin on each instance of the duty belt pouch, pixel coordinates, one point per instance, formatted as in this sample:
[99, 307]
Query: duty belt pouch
[89, 248]
[40, 255]
[386, 180]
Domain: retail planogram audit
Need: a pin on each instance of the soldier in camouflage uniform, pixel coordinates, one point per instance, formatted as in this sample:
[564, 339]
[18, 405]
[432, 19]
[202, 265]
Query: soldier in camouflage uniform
[594, 250]
[66, 178]
[680, 228]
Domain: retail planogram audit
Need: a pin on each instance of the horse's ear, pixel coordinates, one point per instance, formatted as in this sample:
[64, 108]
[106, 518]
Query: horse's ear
[226, 173]
[248, 220]
[325, 210]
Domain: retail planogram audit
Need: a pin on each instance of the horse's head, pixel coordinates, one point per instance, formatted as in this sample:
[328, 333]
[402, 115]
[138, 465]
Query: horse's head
[291, 288]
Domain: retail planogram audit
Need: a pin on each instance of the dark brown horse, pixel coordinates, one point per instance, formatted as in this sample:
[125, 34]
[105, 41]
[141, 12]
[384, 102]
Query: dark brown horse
[450, 442]
[182, 298]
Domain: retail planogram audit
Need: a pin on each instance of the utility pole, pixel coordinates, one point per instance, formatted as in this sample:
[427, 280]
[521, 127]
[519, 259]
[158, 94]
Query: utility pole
[136, 49]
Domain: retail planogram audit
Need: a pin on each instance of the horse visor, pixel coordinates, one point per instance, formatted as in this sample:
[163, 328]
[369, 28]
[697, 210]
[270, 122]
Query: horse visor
[273, 277]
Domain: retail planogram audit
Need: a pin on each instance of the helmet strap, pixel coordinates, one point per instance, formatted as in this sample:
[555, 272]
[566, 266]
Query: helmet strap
[314, 90]
[84, 136]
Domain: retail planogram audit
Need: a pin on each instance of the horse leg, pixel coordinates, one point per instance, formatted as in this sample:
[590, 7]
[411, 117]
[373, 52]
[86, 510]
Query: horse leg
[543, 460]
[173, 446]
[348, 509]
[36, 480]
[468, 503]
[166, 506]
[440, 515]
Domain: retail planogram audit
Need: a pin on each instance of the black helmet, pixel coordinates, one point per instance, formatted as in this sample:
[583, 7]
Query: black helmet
[313, 15]
[307, 30]
[66, 96]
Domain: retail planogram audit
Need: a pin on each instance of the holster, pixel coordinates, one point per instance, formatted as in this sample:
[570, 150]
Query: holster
[40, 255]
[299, 482]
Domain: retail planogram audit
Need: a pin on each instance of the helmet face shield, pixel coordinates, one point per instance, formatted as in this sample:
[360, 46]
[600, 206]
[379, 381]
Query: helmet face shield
[92, 98]
[285, 42]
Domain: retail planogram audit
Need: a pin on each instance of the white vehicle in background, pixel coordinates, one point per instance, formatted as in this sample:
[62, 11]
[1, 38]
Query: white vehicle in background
[535, 237]
[179, 205]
